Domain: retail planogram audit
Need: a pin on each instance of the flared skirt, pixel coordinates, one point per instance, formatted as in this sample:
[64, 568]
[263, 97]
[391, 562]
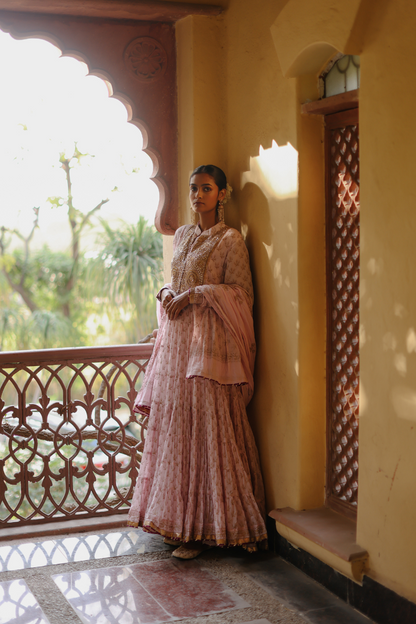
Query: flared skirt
[200, 475]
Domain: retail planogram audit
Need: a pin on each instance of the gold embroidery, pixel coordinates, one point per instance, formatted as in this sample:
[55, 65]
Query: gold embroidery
[216, 353]
[191, 257]
[247, 542]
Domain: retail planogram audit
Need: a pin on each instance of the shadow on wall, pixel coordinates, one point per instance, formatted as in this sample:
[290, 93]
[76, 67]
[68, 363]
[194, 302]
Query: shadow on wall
[268, 221]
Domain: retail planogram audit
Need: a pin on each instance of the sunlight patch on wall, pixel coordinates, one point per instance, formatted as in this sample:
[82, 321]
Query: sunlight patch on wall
[274, 171]
[404, 402]
[363, 400]
[411, 340]
[374, 266]
[400, 363]
[269, 250]
[399, 310]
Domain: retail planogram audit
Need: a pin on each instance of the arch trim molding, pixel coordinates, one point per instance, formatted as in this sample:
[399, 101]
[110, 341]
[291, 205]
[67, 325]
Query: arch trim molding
[151, 105]
[307, 33]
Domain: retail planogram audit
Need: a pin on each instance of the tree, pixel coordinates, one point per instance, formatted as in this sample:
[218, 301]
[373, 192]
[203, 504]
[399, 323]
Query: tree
[128, 270]
[48, 298]
[78, 221]
[18, 268]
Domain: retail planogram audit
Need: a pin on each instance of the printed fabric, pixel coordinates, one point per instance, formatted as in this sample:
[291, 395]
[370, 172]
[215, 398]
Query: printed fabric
[200, 475]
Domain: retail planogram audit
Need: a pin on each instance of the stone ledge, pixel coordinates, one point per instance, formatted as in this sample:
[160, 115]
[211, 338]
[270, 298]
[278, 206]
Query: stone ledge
[326, 535]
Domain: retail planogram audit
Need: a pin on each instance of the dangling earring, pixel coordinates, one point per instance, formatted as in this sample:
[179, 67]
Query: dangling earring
[220, 212]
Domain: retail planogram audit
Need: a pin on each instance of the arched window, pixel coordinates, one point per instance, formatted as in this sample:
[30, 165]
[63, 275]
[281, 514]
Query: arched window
[342, 74]
[138, 60]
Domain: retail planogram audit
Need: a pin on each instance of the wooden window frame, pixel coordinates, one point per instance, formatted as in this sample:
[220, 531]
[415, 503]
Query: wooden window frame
[331, 109]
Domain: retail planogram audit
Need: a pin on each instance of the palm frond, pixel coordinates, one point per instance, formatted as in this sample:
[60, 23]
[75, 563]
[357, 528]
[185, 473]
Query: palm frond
[128, 270]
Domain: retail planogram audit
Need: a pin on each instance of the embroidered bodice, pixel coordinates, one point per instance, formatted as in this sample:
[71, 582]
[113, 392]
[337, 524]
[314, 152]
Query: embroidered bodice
[192, 254]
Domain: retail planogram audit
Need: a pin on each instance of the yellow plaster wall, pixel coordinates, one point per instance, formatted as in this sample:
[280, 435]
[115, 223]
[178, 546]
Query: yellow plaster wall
[288, 410]
[387, 480]
[383, 38]
[257, 106]
[201, 60]
[248, 103]
[201, 67]
[307, 32]
[260, 109]
[233, 102]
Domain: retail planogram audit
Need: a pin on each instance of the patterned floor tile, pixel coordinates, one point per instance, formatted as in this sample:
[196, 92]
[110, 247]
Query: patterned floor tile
[18, 604]
[147, 593]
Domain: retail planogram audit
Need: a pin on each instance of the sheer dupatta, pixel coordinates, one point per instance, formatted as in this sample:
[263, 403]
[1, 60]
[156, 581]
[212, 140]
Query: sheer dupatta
[223, 348]
[223, 345]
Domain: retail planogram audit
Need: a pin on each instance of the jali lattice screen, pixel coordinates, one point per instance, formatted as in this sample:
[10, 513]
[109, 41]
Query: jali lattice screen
[343, 273]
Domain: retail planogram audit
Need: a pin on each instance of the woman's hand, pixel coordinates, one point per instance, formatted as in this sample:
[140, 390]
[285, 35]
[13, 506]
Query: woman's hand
[175, 306]
[166, 295]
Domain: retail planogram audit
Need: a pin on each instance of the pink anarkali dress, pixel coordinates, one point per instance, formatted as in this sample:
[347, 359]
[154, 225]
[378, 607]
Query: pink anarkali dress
[200, 476]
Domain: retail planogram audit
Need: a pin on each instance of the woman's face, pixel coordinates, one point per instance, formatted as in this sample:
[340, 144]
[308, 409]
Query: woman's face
[204, 193]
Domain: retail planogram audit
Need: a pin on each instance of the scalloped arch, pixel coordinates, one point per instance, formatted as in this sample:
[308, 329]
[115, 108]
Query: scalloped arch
[103, 56]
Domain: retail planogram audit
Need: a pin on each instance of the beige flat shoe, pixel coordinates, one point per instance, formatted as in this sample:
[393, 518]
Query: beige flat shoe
[185, 552]
[172, 542]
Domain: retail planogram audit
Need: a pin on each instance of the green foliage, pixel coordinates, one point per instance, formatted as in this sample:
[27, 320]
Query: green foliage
[51, 299]
[42, 329]
[12, 329]
[128, 272]
[46, 275]
[43, 275]
[56, 202]
[111, 301]
[48, 330]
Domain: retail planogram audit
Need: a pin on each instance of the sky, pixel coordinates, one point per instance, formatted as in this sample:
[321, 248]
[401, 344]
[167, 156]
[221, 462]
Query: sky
[48, 103]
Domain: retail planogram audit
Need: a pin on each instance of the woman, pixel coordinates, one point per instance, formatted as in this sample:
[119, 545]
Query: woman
[200, 482]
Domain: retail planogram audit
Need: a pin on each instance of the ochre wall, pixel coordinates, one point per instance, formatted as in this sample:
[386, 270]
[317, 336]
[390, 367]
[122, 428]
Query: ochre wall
[387, 481]
[262, 107]
[235, 97]
[233, 102]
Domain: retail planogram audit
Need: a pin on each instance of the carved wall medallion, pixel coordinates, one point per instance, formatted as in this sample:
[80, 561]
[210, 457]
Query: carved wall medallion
[146, 58]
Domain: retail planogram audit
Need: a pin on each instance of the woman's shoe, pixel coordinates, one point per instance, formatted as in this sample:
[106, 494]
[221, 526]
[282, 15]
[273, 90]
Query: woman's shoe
[172, 542]
[190, 550]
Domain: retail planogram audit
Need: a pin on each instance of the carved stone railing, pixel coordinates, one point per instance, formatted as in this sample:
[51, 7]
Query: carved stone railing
[70, 443]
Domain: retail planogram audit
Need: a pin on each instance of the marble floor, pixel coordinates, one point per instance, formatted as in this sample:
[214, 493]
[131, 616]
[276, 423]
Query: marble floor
[83, 547]
[127, 576]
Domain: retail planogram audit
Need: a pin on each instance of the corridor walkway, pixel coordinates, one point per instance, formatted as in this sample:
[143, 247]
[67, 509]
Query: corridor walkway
[125, 576]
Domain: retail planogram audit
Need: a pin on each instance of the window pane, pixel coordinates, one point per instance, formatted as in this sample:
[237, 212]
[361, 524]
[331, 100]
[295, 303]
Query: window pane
[343, 76]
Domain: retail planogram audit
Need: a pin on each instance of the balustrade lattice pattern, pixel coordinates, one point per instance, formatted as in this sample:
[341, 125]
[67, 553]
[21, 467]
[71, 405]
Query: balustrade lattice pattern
[70, 443]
